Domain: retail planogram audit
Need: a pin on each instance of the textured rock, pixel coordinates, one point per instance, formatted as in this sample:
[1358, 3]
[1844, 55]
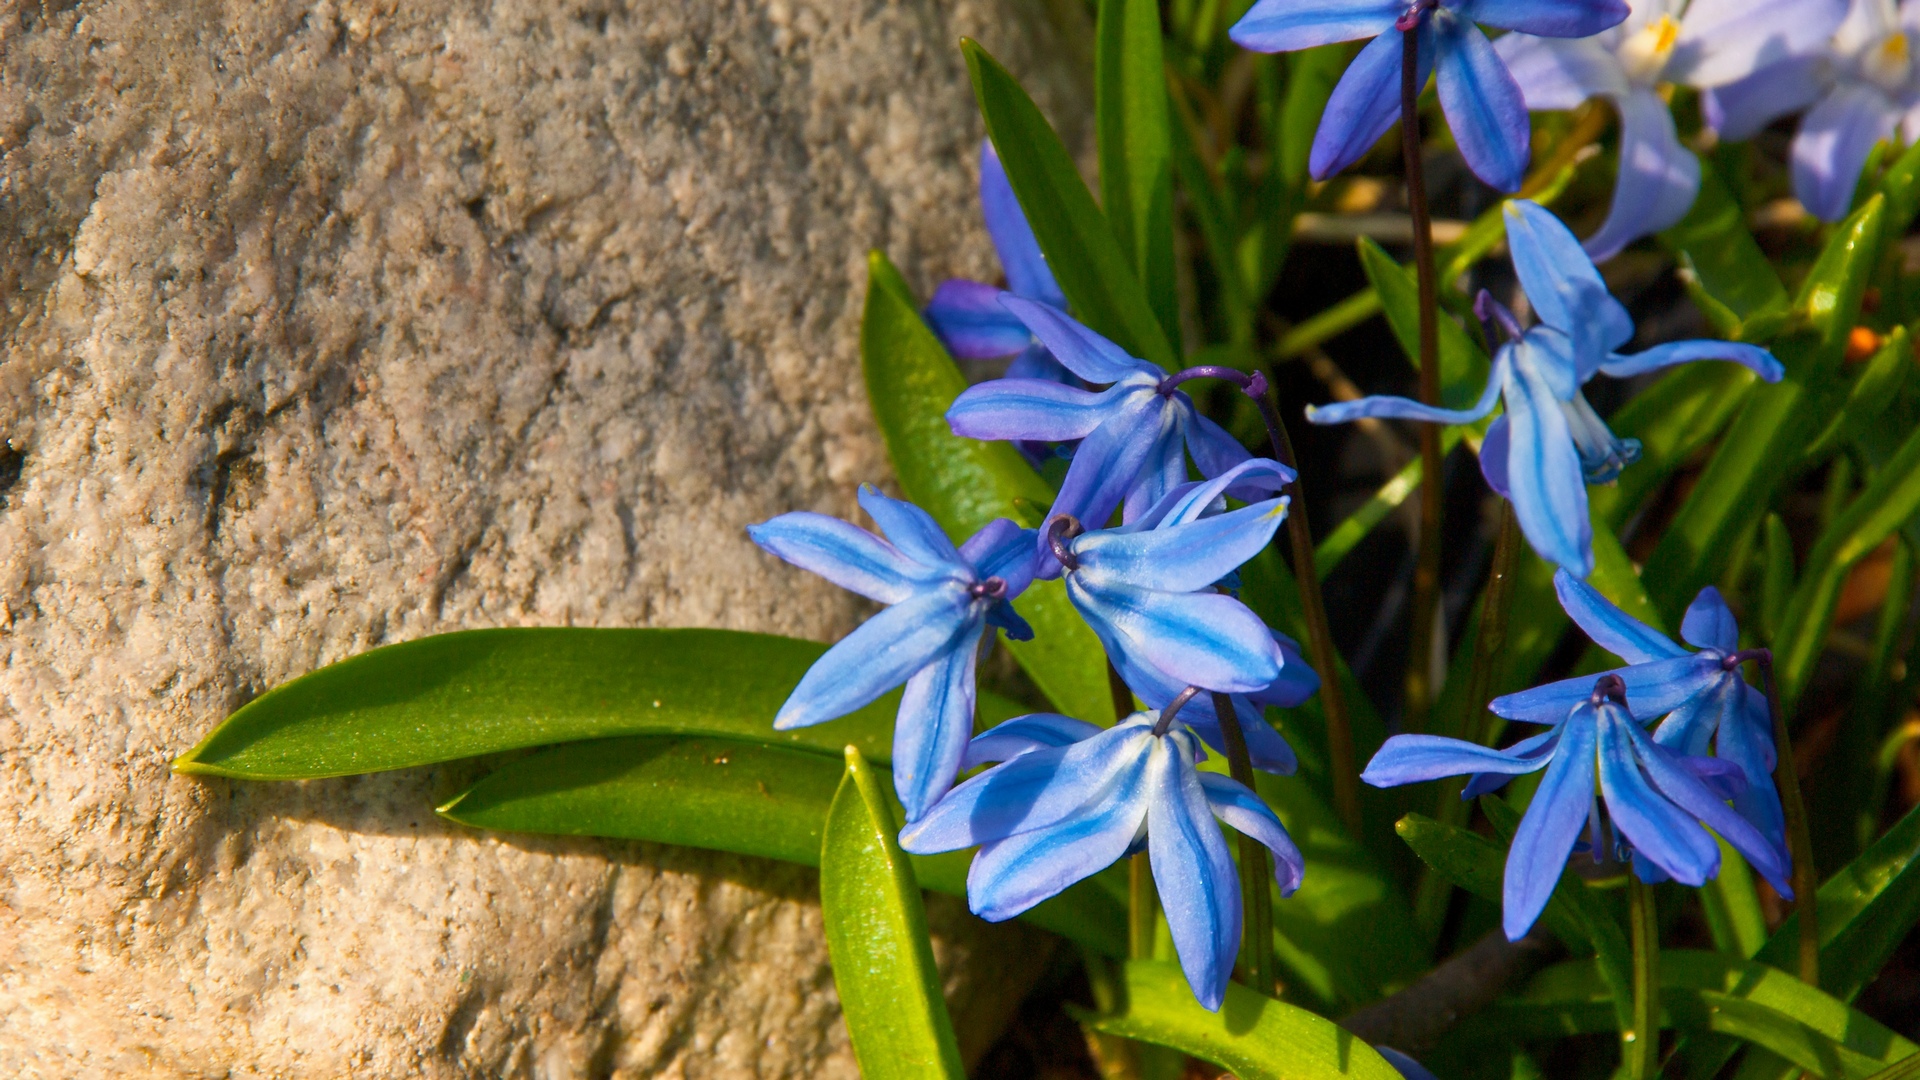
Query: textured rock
[328, 325]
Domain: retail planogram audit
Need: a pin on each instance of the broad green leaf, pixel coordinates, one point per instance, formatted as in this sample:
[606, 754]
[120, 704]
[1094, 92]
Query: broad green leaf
[966, 483]
[1901, 185]
[1776, 424]
[1092, 269]
[1725, 270]
[1463, 367]
[1253, 1036]
[1890, 500]
[724, 795]
[1136, 158]
[877, 939]
[476, 692]
[1478, 865]
[1734, 916]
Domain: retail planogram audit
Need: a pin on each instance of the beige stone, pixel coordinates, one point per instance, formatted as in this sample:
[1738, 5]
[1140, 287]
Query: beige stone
[325, 325]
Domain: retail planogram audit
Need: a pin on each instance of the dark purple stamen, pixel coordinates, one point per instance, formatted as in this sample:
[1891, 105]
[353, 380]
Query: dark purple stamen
[1416, 11]
[1161, 726]
[993, 588]
[1493, 313]
[1609, 688]
[1255, 385]
[1059, 531]
[1735, 659]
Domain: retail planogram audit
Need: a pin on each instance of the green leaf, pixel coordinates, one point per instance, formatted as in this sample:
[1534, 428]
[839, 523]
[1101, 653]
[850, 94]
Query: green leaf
[1878, 386]
[1776, 584]
[1253, 1036]
[1478, 865]
[1136, 171]
[1778, 421]
[877, 939]
[478, 692]
[1901, 185]
[1463, 367]
[724, 795]
[1089, 264]
[1679, 414]
[966, 483]
[1723, 267]
[1216, 231]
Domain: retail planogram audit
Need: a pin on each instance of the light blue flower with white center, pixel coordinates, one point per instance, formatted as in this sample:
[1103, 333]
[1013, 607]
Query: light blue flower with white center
[1859, 89]
[1655, 800]
[1550, 443]
[1070, 799]
[1132, 433]
[1698, 43]
[1147, 588]
[941, 601]
[1483, 105]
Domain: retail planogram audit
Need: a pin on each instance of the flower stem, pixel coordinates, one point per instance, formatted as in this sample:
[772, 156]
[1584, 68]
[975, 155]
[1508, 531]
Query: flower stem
[1313, 610]
[1256, 894]
[1426, 574]
[1806, 880]
[1641, 1046]
[1143, 903]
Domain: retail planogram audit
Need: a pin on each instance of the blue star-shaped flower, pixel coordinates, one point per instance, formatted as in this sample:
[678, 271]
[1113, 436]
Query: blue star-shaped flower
[1550, 444]
[941, 601]
[1266, 747]
[1483, 105]
[1070, 799]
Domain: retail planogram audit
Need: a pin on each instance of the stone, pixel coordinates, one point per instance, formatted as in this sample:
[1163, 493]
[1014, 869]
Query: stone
[330, 324]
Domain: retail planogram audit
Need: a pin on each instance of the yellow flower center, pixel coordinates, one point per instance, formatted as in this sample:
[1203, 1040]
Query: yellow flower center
[1645, 54]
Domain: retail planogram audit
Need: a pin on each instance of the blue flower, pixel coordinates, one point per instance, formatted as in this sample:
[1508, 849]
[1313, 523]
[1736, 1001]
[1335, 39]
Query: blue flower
[941, 600]
[1655, 800]
[1131, 432]
[967, 315]
[1702, 696]
[1483, 105]
[1551, 444]
[1146, 588]
[1265, 746]
[1704, 43]
[1071, 799]
[1861, 87]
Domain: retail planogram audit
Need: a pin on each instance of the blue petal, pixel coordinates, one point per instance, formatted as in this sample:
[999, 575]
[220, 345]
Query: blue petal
[1254, 477]
[1672, 839]
[970, 322]
[1689, 729]
[1037, 363]
[1004, 550]
[1399, 408]
[1289, 25]
[1561, 283]
[1111, 458]
[1196, 639]
[1199, 887]
[1166, 465]
[1214, 451]
[1559, 73]
[1549, 492]
[1410, 759]
[1495, 449]
[1027, 272]
[1483, 105]
[1690, 795]
[1658, 177]
[1547, 832]
[1033, 791]
[1746, 739]
[1610, 628]
[1555, 18]
[846, 555]
[1709, 623]
[1723, 778]
[879, 655]
[1297, 682]
[1249, 815]
[1832, 146]
[1739, 110]
[935, 720]
[1366, 102]
[1030, 409]
[1267, 750]
[1011, 875]
[1178, 558]
[1725, 40]
[1084, 352]
[1034, 731]
[1685, 352]
[1408, 1068]
[1654, 689]
[910, 528]
[1529, 748]
[1002, 615]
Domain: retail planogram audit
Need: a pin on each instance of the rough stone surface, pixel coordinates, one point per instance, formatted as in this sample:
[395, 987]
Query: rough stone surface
[325, 325]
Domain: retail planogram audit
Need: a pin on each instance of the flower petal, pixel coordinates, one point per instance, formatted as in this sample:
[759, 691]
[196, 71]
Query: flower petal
[1035, 362]
[1298, 680]
[1535, 746]
[1032, 791]
[1408, 1068]
[910, 528]
[1495, 449]
[1610, 628]
[1688, 794]
[1671, 839]
[1560, 73]
[1030, 409]
[848, 556]
[1483, 104]
[1399, 408]
[1561, 283]
[1249, 815]
[1689, 729]
[1009, 876]
[935, 720]
[1709, 623]
[1249, 480]
[1166, 466]
[1558, 18]
[1199, 887]
[1004, 550]
[1084, 352]
[1832, 146]
[1289, 25]
[1034, 731]
[1658, 177]
[1026, 267]
[1111, 458]
[1722, 41]
[1738, 110]
[1410, 759]
[1548, 830]
[1366, 102]
[1266, 748]
[1214, 451]
[968, 318]
[1685, 352]
[1195, 639]
[1178, 558]
[880, 654]
[1549, 490]
[1653, 689]
[1746, 739]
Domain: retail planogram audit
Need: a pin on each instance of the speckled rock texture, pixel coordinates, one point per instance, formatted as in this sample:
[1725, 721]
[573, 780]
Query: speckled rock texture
[325, 325]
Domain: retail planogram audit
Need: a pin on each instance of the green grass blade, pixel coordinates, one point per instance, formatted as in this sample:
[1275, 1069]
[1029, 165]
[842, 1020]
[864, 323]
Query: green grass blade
[1136, 156]
[1463, 366]
[1724, 269]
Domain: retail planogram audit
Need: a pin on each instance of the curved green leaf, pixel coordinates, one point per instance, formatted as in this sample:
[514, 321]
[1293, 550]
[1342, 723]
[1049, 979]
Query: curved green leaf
[1723, 267]
[1463, 366]
[723, 795]
[1136, 171]
[877, 939]
[476, 692]
[1253, 1036]
[966, 483]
